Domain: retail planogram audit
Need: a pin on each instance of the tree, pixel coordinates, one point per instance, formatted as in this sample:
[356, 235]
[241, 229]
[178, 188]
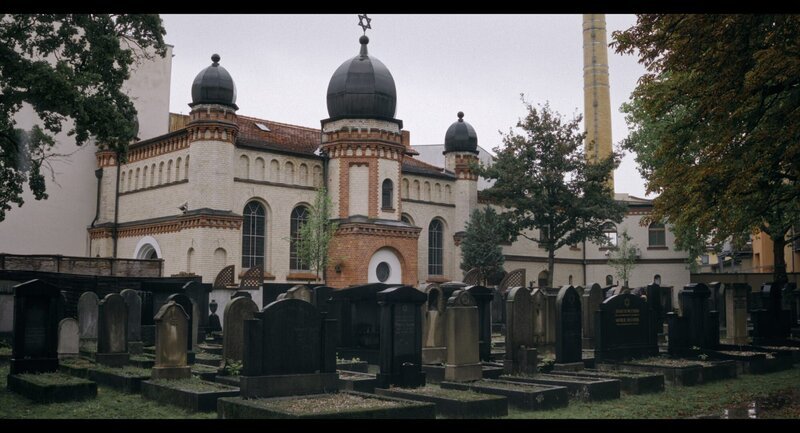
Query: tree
[623, 258]
[480, 246]
[551, 193]
[316, 233]
[715, 124]
[66, 67]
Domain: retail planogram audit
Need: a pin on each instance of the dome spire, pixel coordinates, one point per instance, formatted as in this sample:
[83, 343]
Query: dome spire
[364, 40]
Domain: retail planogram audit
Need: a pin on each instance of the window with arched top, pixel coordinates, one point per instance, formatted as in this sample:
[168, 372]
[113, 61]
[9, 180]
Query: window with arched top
[122, 183]
[317, 176]
[161, 172]
[299, 217]
[288, 172]
[244, 167]
[436, 248]
[253, 235]
[541, 279]
[303, 174]
[387, 189]
[153, 174]
[186, 168]
[610, 232]
[406, 219]
[144, 177]
[657, 235]
[415, 191]
[609, 280]
[178, 169]
[405, 189]
[657, 279]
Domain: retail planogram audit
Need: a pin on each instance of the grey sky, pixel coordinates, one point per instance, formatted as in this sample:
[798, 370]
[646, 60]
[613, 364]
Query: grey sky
[441, 64]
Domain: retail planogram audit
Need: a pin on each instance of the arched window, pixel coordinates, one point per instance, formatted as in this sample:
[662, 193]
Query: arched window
[169, 172]
[261, 168]
[122, 183]
[386, 194]
[570, 280]
[244, 167]
[303, 174]
[299, 217]
[144, 177]
[153, 174]
[274, 171]
[253, 235]
[406, 219]
[435, 248]
[317, 176]
[289, 173]
[405, 188]
[609, 280]
[160, 172]
[178, 169]
[657, 279]
[186, 168]
[657, 235]
[610, 232]
[542, 278]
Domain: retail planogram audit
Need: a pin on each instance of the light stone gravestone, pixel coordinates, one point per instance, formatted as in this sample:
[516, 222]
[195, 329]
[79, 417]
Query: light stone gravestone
[236, 312]
[539, 301]
[172, 330]
[463, 356]
[592, 298]
[134, 303]
[87, 318]
[434, 350]
[300, 292]
[736, 313]
[68, 338]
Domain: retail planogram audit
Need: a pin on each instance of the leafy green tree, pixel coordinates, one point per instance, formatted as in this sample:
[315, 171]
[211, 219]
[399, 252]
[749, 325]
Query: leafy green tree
[480, 246]
[551, 194]
[316, 233]
[715, 124]
[623, 257]
[66, 67]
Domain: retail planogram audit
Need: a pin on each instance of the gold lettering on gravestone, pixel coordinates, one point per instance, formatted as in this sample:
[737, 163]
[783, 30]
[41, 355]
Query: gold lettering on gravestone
[626, 316]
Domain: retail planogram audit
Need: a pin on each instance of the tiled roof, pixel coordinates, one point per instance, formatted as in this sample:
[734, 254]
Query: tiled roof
[280, 137]
[417, 166]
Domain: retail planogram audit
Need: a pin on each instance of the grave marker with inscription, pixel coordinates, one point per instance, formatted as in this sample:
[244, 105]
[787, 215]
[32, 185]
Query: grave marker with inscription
[463, 360]
[112, 331]
[736, 295]
[35, 335]
[520, 354]
[623, 329]
[434, 348]
[172, 326]
[68, 338]
[87, 316]
[568, 326]
[400, 357]
[236, 312]
[134, 303]
[592, 298]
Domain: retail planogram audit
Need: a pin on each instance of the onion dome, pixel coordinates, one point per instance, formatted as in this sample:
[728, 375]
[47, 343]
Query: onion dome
[362, 88]
[214, 85]
[461, 137]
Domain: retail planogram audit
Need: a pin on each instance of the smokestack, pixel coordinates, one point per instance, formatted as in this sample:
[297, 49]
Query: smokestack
[596, 99]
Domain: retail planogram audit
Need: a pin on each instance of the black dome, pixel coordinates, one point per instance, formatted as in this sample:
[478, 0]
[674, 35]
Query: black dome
[460, 137]
[214, 85]
[362, 87]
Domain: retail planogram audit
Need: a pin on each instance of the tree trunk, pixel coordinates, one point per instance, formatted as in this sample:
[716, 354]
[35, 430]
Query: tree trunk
[551, 264]
[778, 243]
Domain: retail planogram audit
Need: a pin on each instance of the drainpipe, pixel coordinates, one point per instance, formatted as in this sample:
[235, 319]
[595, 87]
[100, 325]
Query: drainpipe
[116, 204]
[99, 175]
[325, 159]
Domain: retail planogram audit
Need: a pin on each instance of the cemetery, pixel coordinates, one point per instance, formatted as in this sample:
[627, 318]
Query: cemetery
[385, 351]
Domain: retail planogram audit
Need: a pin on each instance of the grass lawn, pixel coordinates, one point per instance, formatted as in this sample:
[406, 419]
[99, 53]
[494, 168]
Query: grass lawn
[109, 404]
[777, 396]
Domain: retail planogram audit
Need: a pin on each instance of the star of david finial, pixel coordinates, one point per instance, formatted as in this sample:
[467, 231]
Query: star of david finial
[363, 25]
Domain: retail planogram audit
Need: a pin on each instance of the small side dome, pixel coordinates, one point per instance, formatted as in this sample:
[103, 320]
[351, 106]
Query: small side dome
[362, 88]
[460, 137]
[214, 85]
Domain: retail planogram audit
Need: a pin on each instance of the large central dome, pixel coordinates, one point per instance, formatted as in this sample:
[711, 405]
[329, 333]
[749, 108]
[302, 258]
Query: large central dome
[362, 88]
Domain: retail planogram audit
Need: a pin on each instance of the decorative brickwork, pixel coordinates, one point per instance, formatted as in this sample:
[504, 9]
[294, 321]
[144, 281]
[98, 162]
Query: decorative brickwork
[462, 169]
[106, 158]
[182, 222]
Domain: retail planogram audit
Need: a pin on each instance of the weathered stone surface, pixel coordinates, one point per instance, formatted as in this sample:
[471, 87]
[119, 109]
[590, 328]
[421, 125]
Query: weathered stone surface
[736, 295]
[68, 338]
[236, 312]
[592, 298]
[87, 315]
[112, 331]
[172, 327]
[401, 337]
[433, 326]
[134, 303]
[519, 330]
[463, 358]
[300, 292]
[188, 307]
[35, 339]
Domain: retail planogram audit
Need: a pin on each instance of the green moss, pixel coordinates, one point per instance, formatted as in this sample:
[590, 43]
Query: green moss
[329, 403]
[78, 362]
[202, 368]
[455, 394]
[5, 351]
[193, 384]
[142, 358]
[208, 356]
[126, 371]
[46, 379]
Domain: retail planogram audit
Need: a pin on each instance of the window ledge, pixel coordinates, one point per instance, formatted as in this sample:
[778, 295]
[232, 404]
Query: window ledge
[267, 275]
[437, 279]
[387, 209]
[658, 247]
[574, 248]
[305, 276]
[607, 249]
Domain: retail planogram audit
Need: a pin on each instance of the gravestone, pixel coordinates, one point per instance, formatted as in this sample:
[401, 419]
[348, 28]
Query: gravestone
[300, 292]
[87, 317]
[112, 331]
[483, 298]
[434, 347]
[463, 360]
[214, 324]
[789, 302]
[697, 327]
[148, 323]
[134, 303]
[551, 293]
[771, 322]
[172, 327]
[188, 307]
[568, 329]
[320, 297]
[289, 350]
[539, 304]
[240, 293]
[623, 329]
[400, 356]
[716, 301]
[736, 295]
[520, 354]
[592, 298]
[515, 278]
[6, 313]
[68, 338]
[655, 299]
[35, 334]
[236, 312]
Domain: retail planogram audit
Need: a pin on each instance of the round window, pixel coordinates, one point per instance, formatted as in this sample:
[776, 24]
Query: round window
[383, 271]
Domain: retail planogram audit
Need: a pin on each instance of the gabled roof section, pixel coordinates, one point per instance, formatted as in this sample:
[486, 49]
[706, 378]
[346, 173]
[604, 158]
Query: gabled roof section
[417, 166]
[281, 137]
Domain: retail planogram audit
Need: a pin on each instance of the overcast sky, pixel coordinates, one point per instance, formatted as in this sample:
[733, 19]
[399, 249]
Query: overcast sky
[441, 64]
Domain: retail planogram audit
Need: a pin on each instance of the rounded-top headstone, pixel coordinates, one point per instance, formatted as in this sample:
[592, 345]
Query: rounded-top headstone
[461, 298]
[68, 337]
[134, 303]
[87, 315]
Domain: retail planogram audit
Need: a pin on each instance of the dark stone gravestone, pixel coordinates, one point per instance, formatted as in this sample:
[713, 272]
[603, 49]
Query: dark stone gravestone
[134, 303]
[400, 359]
[520, 354]
[716, 302]
[358, 321]
[656, 301]
[789, 302]
[289, 350]
[434, 347]
[539, 305]
[148, 322]
[68, 338]
[697, 327]
[236, 312]
[6, 313]
[499, 308]
[188, 307]
[214, 324]
[172, 327]
[239, 293]
[87, 317]
[198, 292]
[483, 298]
[112, 331]
[463, 363]
[592, 298]
[771, 323]
[623, 329]
[568, 327]
[35, 340]
[320, 297]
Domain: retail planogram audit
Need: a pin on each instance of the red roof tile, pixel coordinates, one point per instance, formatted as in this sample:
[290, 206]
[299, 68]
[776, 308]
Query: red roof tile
[281, 136]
